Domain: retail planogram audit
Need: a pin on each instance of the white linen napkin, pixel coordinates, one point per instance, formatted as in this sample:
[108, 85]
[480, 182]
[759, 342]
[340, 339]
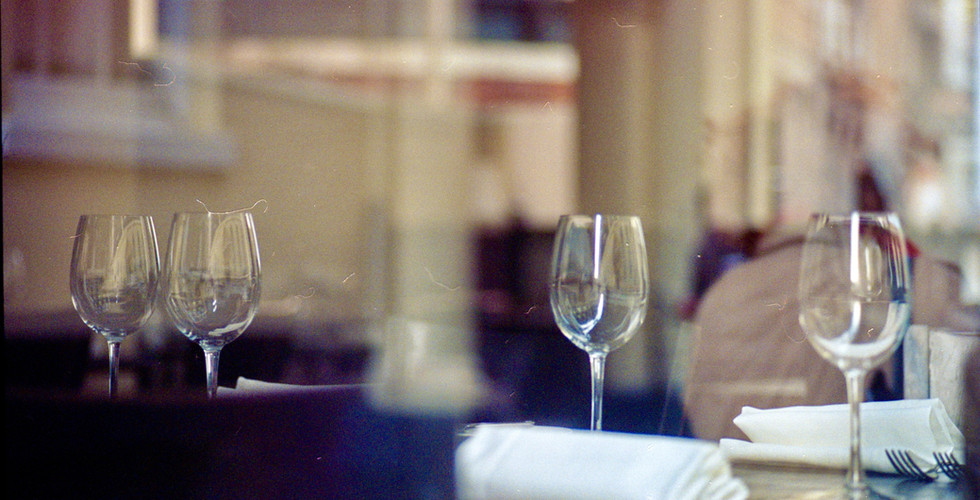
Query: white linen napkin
[537, 462]
[819, 435]
[245, 386]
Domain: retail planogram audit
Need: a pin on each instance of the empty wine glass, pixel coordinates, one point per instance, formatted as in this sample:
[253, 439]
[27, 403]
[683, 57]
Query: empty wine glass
[854, 304]
[599, 288]
[211, 281]
[113, 278]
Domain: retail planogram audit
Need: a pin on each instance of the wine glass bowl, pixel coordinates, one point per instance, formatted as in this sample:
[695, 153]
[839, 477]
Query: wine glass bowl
[599, 288]
[854, 303]
[854, 289]
[113, 278]
[211, 279]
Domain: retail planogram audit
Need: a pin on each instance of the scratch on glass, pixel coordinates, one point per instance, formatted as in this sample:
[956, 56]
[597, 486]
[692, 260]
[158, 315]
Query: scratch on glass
[432, 278]
[735, 72]
[263, 200]
[800, 340]
[349, 276]
[309, 295]
[173, 76]
[622, 25]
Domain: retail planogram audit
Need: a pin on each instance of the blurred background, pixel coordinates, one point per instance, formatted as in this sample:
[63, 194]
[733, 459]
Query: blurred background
[406, 163]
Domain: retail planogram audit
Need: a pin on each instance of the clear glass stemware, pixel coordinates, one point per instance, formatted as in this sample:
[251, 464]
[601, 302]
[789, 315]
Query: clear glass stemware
[854, 305]
[599, 288]
[113, 278]
[211, 281]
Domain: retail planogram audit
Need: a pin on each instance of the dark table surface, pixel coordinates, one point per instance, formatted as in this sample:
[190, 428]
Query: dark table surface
[311, 445]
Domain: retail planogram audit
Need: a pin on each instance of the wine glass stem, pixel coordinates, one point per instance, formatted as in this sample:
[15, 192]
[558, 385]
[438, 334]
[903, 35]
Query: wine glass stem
[211, 370]
[113, 369]
[856, 484]
[597, 364]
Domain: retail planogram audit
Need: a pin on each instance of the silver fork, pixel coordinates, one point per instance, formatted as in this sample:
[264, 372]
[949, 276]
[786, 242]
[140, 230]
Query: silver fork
[903, 463]
[949, 464]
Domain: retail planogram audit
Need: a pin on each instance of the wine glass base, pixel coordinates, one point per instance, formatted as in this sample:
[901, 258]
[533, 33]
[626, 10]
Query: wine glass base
[842, 492]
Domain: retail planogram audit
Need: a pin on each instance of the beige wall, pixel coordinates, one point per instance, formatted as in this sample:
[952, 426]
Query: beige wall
[41, 205]
[300, 163]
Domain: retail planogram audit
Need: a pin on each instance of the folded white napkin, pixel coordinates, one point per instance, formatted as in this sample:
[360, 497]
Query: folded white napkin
[245, 386]
[819, 435]
[535, 462]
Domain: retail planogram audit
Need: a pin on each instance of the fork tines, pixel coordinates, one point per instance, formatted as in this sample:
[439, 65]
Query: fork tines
[949, 465]
[906, 466]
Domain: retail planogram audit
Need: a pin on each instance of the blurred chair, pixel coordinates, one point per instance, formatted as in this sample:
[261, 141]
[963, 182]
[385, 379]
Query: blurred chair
[749, 348]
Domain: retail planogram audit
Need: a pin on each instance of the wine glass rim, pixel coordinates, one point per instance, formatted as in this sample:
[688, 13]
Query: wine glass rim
[103, 215]
[599, 214]
[210, 213]
[859, 213]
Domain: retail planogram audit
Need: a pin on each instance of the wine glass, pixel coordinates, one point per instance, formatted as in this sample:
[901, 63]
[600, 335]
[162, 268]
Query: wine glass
[113, 278]
[854, 304]
[599, 288]
[211, 281]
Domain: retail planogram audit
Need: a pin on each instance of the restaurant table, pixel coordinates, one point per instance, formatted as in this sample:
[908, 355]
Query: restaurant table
[777, 482]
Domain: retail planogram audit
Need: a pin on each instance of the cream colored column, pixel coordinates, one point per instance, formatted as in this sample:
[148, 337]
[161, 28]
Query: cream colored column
[439, 26]
[425, 328]
[425, 331]
[887, 70]
[726, 111]
[202, 78]
[760, 79]
[638, 139]
[144, 33]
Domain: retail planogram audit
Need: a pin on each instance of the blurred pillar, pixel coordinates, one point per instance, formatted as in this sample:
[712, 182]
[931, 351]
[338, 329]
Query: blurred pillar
[439, 29]
[420, 282]
[726, 111]
[761, 83]
[204, 38]
[638, 136]
[424, 328]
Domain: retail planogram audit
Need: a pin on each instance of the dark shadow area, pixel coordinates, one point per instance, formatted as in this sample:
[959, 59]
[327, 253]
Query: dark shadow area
[324, 445]
[46, 351]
